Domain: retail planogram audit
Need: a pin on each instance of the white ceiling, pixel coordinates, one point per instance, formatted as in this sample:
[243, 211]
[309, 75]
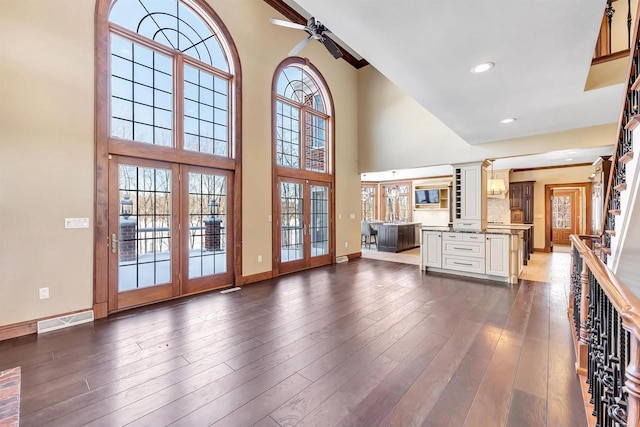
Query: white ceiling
[542, 51]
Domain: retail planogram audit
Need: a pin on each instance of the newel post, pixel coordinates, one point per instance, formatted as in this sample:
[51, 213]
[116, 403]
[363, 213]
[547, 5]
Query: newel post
[632, 372]
[582, 362]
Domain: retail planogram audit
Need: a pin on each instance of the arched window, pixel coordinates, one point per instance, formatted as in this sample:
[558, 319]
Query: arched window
[304, 230]
[302, 120]
[150, 41]
[167, 153]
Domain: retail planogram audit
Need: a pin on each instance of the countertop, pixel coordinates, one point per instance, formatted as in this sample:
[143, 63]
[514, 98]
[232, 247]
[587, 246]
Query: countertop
[490, 230]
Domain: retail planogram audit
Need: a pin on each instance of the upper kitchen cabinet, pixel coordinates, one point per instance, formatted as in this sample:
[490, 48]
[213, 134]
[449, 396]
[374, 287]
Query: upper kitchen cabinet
[521, 202]
[470, 196]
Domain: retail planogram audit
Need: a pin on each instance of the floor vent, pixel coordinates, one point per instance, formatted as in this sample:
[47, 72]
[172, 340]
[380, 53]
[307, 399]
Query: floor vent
[342, 259]
[65, 321]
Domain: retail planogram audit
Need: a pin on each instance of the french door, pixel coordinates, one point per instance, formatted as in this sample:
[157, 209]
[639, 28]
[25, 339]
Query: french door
[169, 233]
[303, 225]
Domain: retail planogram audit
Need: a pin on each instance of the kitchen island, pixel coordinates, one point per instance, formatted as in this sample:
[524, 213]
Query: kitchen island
[398, 237]
[494, 253]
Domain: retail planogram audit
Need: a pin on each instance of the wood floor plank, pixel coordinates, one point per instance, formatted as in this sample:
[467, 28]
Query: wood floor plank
[379, 402]
[533, 368]
[416, 404]
[453, 405]
[527, 410]
[491, 404]
[336, 407]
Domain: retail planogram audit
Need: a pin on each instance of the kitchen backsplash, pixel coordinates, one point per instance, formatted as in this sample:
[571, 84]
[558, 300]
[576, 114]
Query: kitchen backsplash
[498, 211]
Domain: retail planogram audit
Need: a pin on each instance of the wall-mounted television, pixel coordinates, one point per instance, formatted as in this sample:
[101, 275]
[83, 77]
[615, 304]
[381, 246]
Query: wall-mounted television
[427, 197]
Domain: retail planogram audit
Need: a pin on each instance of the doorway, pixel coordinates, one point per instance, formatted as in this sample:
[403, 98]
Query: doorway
[567, 211]
[169, 233]
[303, 221]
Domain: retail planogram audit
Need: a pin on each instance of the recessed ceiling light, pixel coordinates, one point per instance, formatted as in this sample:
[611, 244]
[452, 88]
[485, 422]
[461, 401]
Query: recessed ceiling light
[568, 160]
[481, 68]
[510, 120]
[571, 152]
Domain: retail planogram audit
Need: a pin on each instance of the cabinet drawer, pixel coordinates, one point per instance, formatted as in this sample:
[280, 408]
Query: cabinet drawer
[464, 249]
[472, 265]
[473, 237]
[467, 224]
[456, 237]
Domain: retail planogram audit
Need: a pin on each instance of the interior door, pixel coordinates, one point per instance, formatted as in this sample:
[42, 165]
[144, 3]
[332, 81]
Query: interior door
[144, 262]
[303, 224]
[564, 215]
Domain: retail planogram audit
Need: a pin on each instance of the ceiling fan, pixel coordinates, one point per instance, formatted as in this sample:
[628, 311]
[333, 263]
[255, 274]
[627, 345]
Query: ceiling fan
[315, 30]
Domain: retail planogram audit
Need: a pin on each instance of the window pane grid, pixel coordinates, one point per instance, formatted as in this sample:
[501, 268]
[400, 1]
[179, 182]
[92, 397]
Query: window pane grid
[319, 227]
[141, 94]
[206, 106]
[145, 235]
[288, 135]
[207, 224]
[315, 152]
[292, 220]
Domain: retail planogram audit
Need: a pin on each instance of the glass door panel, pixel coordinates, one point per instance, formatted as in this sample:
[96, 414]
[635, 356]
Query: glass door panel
[143, 262]
[292, 226]
[207, 262]
[319, 224]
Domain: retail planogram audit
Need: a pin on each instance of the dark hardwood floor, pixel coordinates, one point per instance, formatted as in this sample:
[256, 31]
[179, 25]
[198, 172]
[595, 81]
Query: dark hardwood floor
[364, 343]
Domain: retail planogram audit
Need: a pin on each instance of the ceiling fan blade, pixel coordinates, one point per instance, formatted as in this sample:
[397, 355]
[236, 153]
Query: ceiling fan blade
[331, 47]
[297, 48]
[286, 24]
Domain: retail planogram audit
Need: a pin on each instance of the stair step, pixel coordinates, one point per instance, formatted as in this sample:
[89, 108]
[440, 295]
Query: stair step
[626, 158]
[633, 122]
[614, 211]
[621, 187]
[611, 232]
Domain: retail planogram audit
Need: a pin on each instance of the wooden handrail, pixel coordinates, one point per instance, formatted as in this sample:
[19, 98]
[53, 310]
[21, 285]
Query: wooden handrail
[620, 295]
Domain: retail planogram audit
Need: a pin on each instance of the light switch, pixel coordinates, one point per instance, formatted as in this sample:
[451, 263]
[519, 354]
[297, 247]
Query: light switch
[76, 223]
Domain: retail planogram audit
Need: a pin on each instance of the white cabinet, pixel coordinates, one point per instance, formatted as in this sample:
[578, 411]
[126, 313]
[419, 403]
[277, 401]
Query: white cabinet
[470, 196]
[470, 253]
[498, 249]
[463, 252]
[431, 249]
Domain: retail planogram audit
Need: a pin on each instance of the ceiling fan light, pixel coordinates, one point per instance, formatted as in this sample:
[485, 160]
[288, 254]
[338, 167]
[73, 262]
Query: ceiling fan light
[481, 68]
[507, 121]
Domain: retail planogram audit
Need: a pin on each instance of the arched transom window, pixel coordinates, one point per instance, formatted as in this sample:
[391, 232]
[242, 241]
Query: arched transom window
[302, 121]
[170, 77]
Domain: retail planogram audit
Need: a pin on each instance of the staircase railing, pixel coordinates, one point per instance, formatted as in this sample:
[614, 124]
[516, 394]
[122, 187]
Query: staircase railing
[606, 330]
[629, 119]
[604, 50]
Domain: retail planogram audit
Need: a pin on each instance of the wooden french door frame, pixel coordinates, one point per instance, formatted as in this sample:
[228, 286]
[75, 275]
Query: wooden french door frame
[181, 284]
[561, 236]
[214, 281]
[308, 260]
[547, 208]
[119, 300]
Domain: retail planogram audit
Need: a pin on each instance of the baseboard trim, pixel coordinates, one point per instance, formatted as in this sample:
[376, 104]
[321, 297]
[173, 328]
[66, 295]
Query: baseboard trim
[254, 278]
[29, 327]
[355, 255]
[543, 250]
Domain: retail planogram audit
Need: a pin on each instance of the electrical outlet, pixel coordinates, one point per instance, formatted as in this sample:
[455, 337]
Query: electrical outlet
[339, 216]
[44, 293]
[259, 258]
[352, 216]
[269, 219]
[346, 244]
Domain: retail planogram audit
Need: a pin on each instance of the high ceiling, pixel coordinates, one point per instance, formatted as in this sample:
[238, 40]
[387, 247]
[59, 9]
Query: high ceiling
[542, 52]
